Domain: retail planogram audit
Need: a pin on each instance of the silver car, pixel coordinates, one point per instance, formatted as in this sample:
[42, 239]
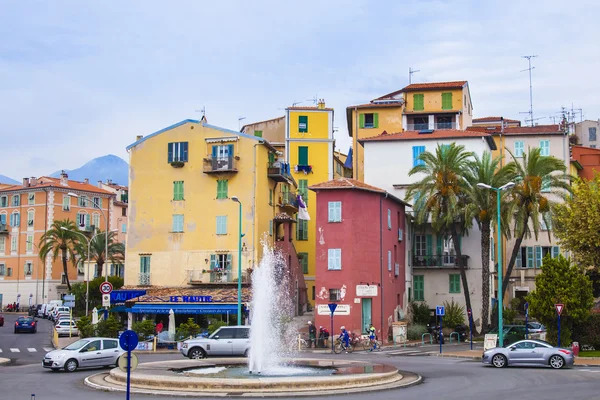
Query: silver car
[529, 353]
[84, 353]
[225, 341]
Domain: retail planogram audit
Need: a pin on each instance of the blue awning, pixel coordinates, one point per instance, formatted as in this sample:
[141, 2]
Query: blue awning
[120, 309]
[211, 308]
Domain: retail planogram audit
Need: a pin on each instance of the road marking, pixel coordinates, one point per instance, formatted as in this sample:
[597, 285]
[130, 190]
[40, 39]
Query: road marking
[0, 350]
[15, 350]
[31, 349]
[48, 349]
[403, 352]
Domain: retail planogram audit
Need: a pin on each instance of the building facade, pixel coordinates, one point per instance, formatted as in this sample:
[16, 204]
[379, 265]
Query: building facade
[588, 160]
[27, 211]
[495, 122]
[360, 263]
[587, 133]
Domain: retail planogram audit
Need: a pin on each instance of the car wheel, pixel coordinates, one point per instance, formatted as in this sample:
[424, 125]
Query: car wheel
[197, 353]
[71, 365]
[247, 353]
[499, 361]
[557, 362]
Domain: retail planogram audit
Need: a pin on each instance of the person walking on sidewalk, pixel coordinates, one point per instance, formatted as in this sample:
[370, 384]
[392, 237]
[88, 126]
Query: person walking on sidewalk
[159, 327]
[312, 335]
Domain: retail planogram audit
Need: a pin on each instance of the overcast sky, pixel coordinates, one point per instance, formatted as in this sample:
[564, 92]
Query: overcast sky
[80, 80]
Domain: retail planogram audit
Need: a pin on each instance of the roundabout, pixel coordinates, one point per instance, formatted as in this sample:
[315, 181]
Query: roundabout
[229, 377]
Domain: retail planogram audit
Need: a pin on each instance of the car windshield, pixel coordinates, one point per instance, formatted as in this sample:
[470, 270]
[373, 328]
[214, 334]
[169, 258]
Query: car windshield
[77, 345]
[25, 319]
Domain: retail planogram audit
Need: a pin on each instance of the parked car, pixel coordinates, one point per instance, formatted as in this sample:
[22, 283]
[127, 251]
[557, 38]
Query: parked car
[57, 310]
[26, 324]
[66, 327]
[84, 353]
[225, 341]
[1, 320]
[535, 327]
[528, 353]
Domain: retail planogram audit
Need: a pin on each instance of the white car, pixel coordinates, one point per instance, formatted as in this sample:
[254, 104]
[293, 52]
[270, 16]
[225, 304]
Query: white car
[63, 327]
[57, 310]
[84, 353]
[225, 341]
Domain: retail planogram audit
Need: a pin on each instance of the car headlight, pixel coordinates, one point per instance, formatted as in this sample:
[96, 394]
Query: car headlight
[184, 346]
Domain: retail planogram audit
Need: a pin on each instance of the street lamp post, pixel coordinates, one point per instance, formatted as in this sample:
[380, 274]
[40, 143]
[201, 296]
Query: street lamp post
[241, 235]
[500, 303]
[37, 275]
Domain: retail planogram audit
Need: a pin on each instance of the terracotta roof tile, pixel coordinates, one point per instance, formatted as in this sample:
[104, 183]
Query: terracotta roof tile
[436, 134]
[312, 108]
[219, 295]
[46, 181]
[426, 86]
[519, 130]
[491, 119]
[345, 183]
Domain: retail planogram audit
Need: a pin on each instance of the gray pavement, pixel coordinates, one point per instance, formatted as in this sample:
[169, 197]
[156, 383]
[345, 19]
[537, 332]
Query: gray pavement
[444, 378]
[24, 348]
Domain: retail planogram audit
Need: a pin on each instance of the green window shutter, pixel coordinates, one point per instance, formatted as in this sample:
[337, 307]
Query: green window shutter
[305, 228]
[530, 259]
[270, 197]
[361, 121]
[271, 158]
[213, 261]
[376, 120]
[304, 262]
[258, 133]
[229, 261]
[418, 102]
[271, 227]
[303, 123]
[446, 101]
[303, 155]
[538, 256]
[419, 287]
[454, 283]
[429, 242]
[219, 189]
[303, 189]
[225, 188]
[438, 249]
[519, 262]
[555, 251]
[460, 243]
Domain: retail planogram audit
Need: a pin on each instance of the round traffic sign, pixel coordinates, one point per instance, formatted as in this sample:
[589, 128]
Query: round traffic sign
[106, 287]
[122, 363]
[128, 340]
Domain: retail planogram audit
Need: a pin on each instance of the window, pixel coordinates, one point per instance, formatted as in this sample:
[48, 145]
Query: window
[368, 121]
[271, 227]
[454, 283]
[592, 146]
[123, 212]
[447, 101]
[82, 201]
[15, 219]
[177, 151]
[97, 202]
[242, 333]
[533, 256]
[335, 211]
[123, 228]
[303, 258]
[31, 199]
[91, 346]
[110, 344]
[389, 219]
[225, 333]
[30, 216]
[2, 270]
[16, 200]
[83, 220]
[80, 267]
[303, 155]
[519, 148]
[302, 229]
[66, 204]
[222, 225]
[545, 147]
[314, 293]
[28, 269]
[258, 133]
[592, 134]
[29, 244]
[2, 245]
[270, 197]
[144, 270]
[334, 259]
[420, 245]
[177, 222]
[303, 190]
[303, 123]
[220, 261]
[3, 221]
[96, 221]
[417, 150]
[178, 190]
[222, 188]
[224, 156]
[419, 287]
[418, 102]
[389, 260]
[334, 295]
[13, 243]
[4, 201]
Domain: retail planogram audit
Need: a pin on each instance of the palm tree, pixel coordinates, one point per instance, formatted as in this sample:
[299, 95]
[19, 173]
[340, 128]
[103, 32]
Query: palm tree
[442, 195]
[538, 179]
[58, 240]
[484, 207]
[116, 251]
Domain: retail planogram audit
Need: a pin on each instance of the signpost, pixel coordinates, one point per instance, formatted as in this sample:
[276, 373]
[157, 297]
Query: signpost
[129, 341]
[470, 313]
[559, 310]
[440, 312]
[332, 307]
[106, 300]
[526, 320]
[106, 288]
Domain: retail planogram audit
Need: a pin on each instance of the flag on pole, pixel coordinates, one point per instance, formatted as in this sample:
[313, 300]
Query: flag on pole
[302, 211]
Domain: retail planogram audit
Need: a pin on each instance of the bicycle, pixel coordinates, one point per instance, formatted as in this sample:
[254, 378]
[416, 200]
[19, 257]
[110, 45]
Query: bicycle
[340, 346]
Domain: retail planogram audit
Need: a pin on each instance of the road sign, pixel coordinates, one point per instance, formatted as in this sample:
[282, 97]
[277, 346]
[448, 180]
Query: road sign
[69, 297]
[128, 340]
[440, 311]
[106, 287]
[559, 308]
[106, 300]
[332, 307]
[341, 309]
[122, 364]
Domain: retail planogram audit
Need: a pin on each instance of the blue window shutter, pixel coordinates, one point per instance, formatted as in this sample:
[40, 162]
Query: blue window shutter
[213, 261]
[339, 211]
[530, 258]
[555, 251]
[174, 223]
[181, 223]
[229, 260]
[389, 260]
[415, 155]
[519, 262]
[389, 219]
[184, 147]
[170, 152]
[331, 216]
[230, 147]
[214, 151]
[538, 256]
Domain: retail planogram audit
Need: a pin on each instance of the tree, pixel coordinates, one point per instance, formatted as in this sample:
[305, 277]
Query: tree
[575, 222]
[79, 290]
[484, 207]
[116, 250]
[442, 195]
[539, 179]
[60, 238]
[561, 283]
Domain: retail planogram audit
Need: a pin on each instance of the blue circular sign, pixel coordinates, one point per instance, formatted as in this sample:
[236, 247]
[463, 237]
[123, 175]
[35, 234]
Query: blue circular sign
[128, 340]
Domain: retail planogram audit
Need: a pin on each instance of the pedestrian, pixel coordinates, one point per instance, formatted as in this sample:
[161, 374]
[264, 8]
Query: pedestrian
[312, 335]
[159, 327]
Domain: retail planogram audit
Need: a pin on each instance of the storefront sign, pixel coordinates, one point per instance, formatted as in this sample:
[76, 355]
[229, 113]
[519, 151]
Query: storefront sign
[341, 309]
[366, 290]
[190, 299]
[121, 296]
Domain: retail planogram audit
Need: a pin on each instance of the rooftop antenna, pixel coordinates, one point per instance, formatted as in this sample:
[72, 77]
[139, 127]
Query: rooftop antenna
[203, 112]
[410, 74]
[530, 87]
[240, 119]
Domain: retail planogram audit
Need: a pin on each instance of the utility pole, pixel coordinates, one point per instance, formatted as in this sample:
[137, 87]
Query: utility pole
[530, 87]
[410, 74]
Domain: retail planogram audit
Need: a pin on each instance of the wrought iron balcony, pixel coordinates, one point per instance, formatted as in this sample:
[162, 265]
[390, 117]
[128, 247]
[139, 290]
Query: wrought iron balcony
[3, 228]
[215, 276]
[279, 172]
[288, 201]
[215, 165]
[439, 261]
[144, 278]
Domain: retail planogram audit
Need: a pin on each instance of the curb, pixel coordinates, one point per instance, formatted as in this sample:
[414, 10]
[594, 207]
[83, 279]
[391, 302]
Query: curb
[476, 358]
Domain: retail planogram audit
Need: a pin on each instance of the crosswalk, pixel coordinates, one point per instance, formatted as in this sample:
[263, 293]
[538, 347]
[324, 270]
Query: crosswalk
[406, 352]
[26, 350]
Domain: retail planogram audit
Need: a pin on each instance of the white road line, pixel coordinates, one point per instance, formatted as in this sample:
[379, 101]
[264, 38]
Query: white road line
[31, 349]
[48, 349]
[15, 350]
[0, 350]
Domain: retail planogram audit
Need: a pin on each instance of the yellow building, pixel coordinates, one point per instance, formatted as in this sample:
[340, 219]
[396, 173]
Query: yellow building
[310, 153]
[183, 222]
[416, 107]
[341, 170]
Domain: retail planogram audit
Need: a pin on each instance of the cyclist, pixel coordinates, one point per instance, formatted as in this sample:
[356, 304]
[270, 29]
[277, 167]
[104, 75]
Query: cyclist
[345, 338]
[373, 337]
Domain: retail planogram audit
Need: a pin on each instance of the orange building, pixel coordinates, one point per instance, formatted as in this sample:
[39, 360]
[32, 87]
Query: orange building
[588, 159]
[26, 212]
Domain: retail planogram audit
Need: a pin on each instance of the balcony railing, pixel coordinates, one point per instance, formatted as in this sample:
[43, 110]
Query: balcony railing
[217, 164]
[144, 278]
[425, 126]
[417, 127]
[438, 261]
[445, 125]
[279, 171]
[287, 200]
[3, 228]
[215, 276]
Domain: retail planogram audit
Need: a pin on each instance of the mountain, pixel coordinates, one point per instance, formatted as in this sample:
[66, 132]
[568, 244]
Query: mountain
[100, 169]
[6, 179]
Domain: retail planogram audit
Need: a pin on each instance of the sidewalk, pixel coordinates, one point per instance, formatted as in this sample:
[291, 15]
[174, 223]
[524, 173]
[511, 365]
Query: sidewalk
[476, 355]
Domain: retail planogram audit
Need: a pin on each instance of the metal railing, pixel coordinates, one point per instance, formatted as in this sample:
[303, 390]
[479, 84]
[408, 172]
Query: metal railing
[220, 164]
[144, 278]
[417, 127]
[3, 228]
[287, 199]
[208, 276]
[436, 125]
[438, 261]
[278, 168]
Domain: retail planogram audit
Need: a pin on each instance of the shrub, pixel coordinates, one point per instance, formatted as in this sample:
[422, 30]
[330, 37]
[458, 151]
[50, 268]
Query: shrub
[215, 325]
[588, 333]
[187, 329]
[455, 314]
[415, 331]
[109, 327]
[144, 329]
[565, 335]
[85, 327]
[420, 313]
[509, 315]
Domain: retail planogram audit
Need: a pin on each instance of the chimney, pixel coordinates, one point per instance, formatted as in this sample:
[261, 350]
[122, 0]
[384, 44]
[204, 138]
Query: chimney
[86, 181]
[109, 181]
[99, 184]
[33, 181]
[26, 182]
[138, 137]
[321, 104]
[63, 178]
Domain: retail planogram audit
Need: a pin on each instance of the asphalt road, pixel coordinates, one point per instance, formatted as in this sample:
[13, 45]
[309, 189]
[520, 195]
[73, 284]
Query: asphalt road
[24, 348]
[444, 378]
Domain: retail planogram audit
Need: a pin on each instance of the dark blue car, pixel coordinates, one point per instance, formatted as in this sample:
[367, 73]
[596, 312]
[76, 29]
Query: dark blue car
[26, 324]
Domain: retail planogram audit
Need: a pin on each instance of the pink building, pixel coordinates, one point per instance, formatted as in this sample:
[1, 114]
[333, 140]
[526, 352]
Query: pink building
[360, 256]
